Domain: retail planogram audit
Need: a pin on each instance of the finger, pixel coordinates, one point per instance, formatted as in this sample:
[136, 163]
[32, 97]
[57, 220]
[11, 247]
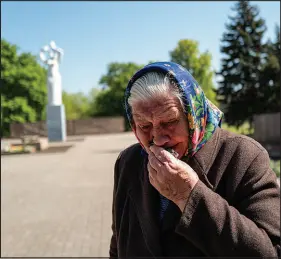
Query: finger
[158, 175]
[154, 162]
[151, 171]
[154, 183]
[152, 174]
[149, 152]
[153, 178]
[162, 154]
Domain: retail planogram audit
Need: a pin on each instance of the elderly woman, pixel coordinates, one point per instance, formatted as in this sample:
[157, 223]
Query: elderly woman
[189, 188]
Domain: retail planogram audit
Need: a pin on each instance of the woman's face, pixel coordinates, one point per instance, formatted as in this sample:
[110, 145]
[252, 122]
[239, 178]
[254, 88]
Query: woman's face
[163, 122]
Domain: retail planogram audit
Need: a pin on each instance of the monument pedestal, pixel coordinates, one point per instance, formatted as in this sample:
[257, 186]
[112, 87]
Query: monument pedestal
[56, 123]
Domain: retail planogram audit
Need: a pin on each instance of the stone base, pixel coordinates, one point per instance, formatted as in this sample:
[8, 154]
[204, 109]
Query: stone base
[41, 143]
[56, 123]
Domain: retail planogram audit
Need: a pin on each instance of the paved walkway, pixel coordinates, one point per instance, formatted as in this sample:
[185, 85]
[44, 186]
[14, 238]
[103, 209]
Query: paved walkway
[56, 205]
[59, 205]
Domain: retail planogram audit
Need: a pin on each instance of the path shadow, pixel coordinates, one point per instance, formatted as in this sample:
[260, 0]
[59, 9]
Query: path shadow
[57, 149]
[75, 139]
[111, 151]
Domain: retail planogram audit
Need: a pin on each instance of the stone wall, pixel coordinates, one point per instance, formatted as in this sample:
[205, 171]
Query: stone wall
[90, 126]
[267, 132]
[267, 128]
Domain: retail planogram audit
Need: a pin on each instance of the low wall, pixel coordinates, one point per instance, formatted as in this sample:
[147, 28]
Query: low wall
[89, 126]
[267, 128]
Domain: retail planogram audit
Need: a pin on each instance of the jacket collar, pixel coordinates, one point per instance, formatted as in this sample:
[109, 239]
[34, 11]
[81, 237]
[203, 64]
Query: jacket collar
[202, 161]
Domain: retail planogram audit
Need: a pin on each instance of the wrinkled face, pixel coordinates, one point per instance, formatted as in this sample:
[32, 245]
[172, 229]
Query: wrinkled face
[162, 121]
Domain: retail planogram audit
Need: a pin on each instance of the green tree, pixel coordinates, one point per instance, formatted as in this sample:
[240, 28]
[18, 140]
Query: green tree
[19, 110]
[23, 87]
[92, 96]
[269, 90]
[110, 101]
[118, 75]
[198, 64]
[77, 105]
[242, 49]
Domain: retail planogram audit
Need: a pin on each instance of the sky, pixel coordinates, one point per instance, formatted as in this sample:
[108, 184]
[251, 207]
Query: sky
[94, 34]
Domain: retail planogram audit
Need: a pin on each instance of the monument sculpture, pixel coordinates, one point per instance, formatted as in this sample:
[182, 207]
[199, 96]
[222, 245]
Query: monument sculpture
[51, 55]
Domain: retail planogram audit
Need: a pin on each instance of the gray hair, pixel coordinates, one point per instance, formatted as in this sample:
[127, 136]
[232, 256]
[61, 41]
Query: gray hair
[153, 85]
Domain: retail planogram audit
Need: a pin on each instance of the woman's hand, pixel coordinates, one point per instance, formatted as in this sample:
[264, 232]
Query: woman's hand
[173, 178]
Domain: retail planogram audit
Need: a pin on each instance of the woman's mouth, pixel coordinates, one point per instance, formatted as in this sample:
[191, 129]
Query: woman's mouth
[173, 152]
[171, 149]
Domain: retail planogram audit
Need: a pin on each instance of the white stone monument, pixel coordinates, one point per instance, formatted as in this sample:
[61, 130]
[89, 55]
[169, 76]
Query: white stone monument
[51, 55]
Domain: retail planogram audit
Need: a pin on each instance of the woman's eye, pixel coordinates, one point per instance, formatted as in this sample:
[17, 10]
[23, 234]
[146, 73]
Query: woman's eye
[144, 126]
[169, 123]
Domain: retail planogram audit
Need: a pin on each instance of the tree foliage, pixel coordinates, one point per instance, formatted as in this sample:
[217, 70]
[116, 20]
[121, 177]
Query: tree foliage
[241, 66]
[269, 90]
[77, 105]
[23, 87]
[198, 64]
[110, 101]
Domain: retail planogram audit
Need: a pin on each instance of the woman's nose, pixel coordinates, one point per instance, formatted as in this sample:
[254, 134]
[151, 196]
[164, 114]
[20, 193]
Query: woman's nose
[161, 140]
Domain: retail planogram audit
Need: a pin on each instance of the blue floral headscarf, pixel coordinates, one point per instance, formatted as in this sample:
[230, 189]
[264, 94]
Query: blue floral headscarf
[202, 115]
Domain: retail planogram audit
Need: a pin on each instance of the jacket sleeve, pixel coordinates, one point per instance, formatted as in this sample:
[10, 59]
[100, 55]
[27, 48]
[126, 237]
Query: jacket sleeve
[113, 250]
[249, 228]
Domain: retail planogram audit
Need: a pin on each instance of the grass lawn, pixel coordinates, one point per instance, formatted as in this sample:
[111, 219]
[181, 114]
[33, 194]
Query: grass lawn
[243, 129]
